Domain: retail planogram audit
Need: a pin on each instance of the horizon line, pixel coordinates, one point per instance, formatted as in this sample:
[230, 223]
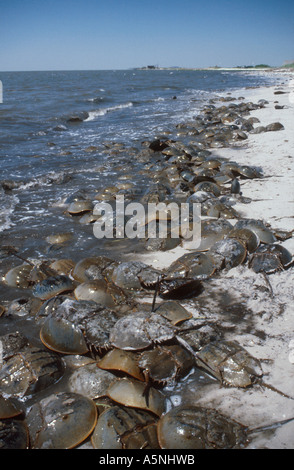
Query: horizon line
[152, 68]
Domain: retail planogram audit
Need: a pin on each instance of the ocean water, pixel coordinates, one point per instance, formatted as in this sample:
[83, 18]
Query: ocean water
[55, 135]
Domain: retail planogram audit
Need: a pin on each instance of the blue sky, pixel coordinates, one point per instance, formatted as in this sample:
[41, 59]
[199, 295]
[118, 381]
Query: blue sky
[120, 34]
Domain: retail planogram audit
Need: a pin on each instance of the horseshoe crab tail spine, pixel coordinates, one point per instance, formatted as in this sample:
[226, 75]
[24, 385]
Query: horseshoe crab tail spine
[266, 427]
[186, 345]
[268, 284]
[270, 387]
[155, 294]
[12, 252]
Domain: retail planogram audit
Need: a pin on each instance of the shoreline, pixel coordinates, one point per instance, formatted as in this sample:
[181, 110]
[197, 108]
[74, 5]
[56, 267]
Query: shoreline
[265, 324]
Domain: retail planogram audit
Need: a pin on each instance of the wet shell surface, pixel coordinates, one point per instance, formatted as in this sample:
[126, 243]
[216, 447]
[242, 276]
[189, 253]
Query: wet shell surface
[8, 409]
[192, 427]
[122, 361]
[53, 286]
[139, 330]
[62, 336]
[173, 311]
[90, 381]
[19, 276]
[132, 393]
[59, 238]
[61, 421]
[98, 291]
[88, 269]
[79, 207]
[29, 372]
[13, 434]
[233, 251]
[125, 428]
[229, 363]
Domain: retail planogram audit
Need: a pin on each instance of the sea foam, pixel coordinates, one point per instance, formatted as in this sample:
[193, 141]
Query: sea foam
[101, 112]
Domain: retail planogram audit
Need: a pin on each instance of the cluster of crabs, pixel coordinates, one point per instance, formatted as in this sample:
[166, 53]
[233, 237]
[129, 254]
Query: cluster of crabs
[92, 363]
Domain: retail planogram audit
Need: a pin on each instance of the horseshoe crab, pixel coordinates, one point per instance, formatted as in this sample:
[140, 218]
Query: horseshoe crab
[213, 231]
[52, 286]
[120, 427]
[176, 288]
[59, 238]
[247, 236]
[9, 409]
[79, 207]
[89, 269]
[194, 427]
[139, 330]
[122, 361]
[209, 187]
[63, 337]
[30, 371]
[131, 393]
[19, 276]
[270, 258]
[70, 323]
[231, 250]
[195, 265]
[217, 209]
[165, 364]
[129, 275]
[61, 421]
[229, 363]
[90, 381]
[173, 311]
[62, 266]
[101, 292]
[264, 234]
[183, 278]
[13, 434]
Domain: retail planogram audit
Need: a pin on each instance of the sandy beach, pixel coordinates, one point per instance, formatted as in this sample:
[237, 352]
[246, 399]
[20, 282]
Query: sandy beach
[262, 324]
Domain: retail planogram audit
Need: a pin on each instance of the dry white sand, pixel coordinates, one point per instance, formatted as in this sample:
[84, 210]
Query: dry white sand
[239, 298]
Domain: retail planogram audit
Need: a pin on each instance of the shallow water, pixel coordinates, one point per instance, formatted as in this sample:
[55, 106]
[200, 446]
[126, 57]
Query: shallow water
[46, 157]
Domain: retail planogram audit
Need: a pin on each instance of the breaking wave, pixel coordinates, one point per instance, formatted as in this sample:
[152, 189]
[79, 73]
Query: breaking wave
[101, 112]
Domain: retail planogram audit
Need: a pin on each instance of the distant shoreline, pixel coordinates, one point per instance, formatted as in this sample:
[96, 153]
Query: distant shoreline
[228, 69]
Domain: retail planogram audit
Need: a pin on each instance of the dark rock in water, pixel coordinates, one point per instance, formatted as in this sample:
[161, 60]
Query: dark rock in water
[9, 185]
[275, 126]
[75, 119]
[59, 128]
[278, 106]
[280, 92]
[79, 118]
[158, 146]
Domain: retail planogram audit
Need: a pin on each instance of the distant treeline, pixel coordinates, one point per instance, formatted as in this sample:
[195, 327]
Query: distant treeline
[259, 66]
